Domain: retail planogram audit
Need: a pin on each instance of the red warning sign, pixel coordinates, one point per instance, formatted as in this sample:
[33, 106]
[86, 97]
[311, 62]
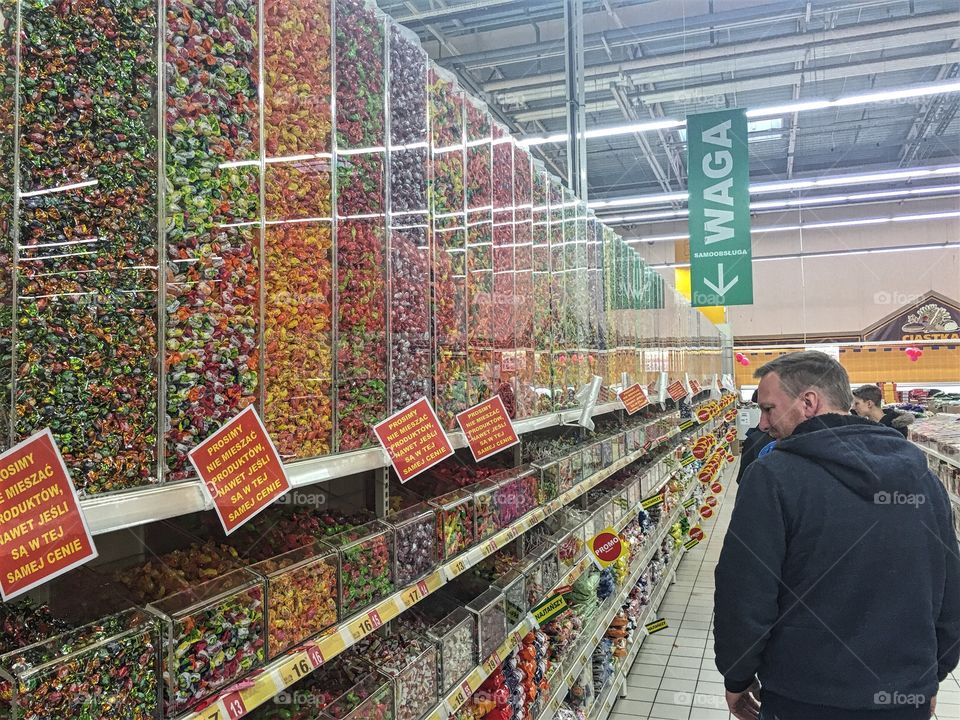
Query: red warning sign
[240, 469]
[43, 532]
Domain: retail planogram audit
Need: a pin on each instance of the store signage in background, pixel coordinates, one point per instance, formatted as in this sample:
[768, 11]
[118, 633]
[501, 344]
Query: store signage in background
[718, 165]
[931, 317]
[606, 547]
[633, 398]
[241, 470]
[488, 428]
[43, 532]
[413, 439]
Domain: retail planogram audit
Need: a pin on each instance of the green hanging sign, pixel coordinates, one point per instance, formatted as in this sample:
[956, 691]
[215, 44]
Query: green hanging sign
[718, 166]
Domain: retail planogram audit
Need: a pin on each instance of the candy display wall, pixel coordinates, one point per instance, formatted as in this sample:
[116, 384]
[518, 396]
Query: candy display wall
[284, 205]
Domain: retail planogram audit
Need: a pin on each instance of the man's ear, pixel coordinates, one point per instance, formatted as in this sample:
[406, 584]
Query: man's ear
[812, 403]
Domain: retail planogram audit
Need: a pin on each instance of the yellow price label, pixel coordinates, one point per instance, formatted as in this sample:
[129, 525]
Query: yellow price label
[331, 645]
[490, 547]
[297, 667]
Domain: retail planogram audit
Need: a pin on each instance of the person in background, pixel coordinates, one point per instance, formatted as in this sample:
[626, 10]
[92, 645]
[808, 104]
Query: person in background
[838, 586]
[755, 441]
[868, 403]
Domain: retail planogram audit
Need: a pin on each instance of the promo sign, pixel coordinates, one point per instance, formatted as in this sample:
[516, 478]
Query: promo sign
[240, 469]
[633, 398]
[606, 547]
[414, 439]
[43, 532]
[719, 202]
[488, 428]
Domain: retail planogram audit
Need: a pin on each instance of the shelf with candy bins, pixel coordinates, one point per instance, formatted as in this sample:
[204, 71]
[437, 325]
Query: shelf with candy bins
[280, 673]
[110, 662]
[607, 698]
[939, 438]
[591, 636]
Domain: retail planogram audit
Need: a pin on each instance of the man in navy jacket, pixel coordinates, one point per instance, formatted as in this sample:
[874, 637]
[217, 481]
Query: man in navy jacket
[838, 587]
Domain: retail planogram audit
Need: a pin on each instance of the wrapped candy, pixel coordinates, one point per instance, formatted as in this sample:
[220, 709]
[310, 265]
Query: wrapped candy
[86, 358]
[455, 522]
[212, 210]
[415, 534]
[366, 565]
[301, 595]
[411, 662]
[213, 634]
[298, 294]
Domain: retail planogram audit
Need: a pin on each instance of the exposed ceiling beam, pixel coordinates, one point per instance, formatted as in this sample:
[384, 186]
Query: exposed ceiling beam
[927, 115]
[662, 178]
[783, 50]
[766, 14]
[764, 82]
[421, 16]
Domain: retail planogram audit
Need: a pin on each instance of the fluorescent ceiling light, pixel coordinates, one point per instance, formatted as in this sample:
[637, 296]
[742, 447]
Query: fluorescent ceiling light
[643, 200]
[818, 225]
[800, 106]
[834, 253]
[768, 205]
[633, 128]
[786, 186]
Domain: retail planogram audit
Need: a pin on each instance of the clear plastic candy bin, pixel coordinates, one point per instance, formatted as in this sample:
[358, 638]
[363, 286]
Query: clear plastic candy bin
[302, 595]
[456, 522]
[212, 635]
[490, 611]
[366, 565]
[410, 661]
[370, 699]
[104, 669]
[513, 584]
[415, 534]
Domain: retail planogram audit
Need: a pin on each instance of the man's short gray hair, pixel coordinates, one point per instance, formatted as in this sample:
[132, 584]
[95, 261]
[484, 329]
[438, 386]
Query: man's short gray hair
[800, 371]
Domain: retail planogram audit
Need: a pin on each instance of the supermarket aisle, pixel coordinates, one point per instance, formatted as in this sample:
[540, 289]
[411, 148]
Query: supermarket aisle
[674, 677]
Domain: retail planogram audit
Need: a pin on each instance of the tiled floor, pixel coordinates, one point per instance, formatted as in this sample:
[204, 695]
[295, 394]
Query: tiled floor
[674, 676]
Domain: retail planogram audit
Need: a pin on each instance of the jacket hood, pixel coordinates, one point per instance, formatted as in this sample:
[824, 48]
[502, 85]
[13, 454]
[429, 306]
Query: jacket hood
[899, 418]
[866, 457]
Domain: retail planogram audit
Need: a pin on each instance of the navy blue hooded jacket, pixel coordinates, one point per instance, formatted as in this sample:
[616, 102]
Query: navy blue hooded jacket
[839, 581]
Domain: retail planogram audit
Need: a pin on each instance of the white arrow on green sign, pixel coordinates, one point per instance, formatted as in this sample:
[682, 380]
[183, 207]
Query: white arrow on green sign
[719, 202]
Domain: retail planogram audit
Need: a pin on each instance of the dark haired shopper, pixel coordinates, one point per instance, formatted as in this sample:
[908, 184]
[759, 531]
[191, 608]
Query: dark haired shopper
[838, 586]
[868, 403]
